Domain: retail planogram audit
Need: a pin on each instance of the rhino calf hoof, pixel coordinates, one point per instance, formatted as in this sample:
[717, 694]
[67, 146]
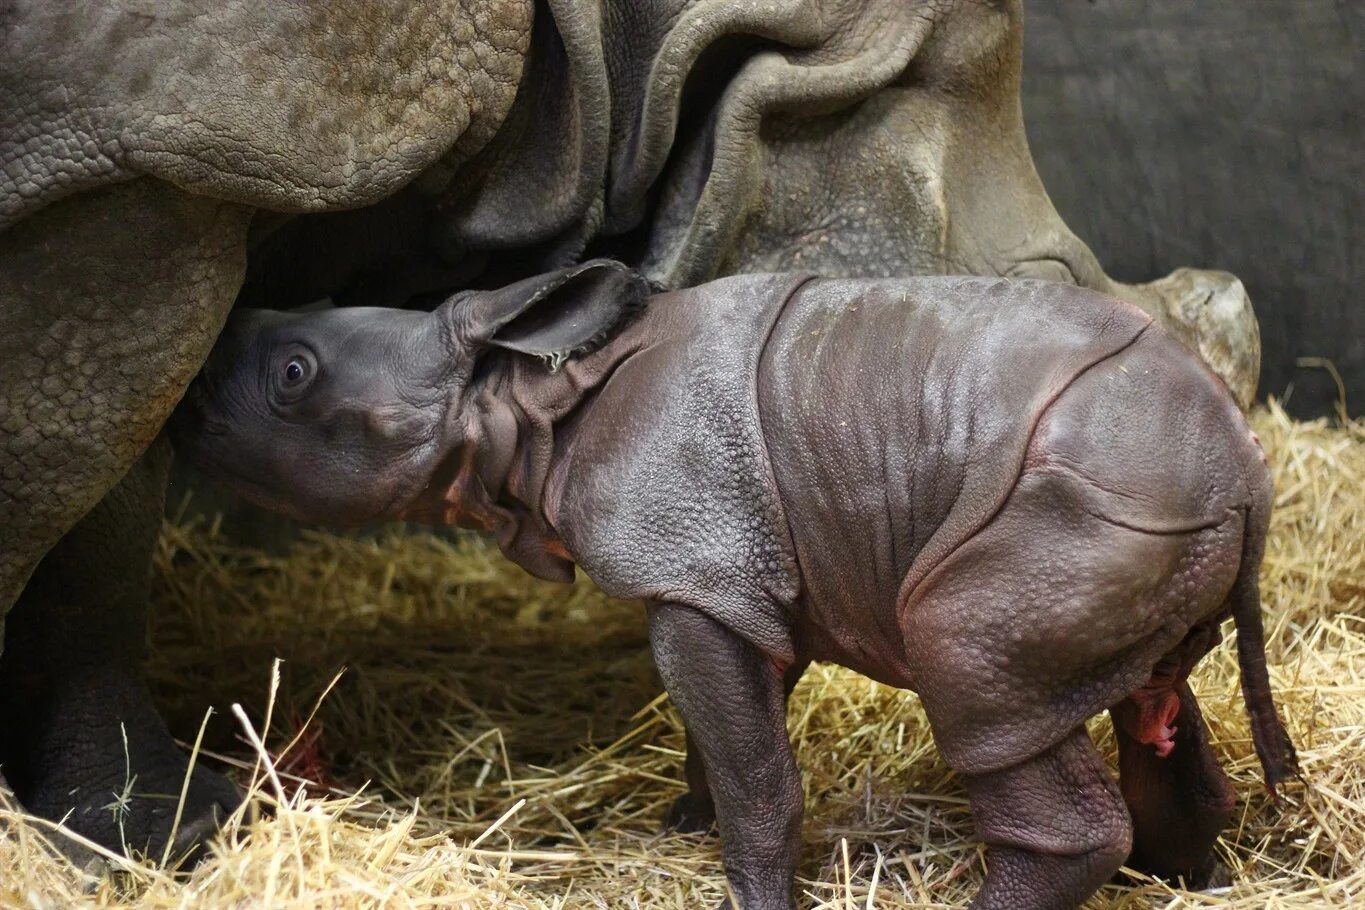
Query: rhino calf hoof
[688, 815]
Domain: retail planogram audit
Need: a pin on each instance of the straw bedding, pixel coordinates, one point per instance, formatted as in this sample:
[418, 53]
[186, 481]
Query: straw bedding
[493, 741]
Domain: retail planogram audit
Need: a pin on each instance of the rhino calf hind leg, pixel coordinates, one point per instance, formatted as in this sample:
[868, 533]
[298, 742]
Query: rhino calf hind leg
[1055, 826]
[731, 699]
[1179, 803]
[79, 736]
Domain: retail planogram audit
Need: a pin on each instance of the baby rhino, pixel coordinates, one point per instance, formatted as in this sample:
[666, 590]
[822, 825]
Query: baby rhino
[1020, 499]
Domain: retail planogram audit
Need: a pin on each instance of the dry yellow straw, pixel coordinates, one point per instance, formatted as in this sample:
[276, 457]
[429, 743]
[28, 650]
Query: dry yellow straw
[498, 742]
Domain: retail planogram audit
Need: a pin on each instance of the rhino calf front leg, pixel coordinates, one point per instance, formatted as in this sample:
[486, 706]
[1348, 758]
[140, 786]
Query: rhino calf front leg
[731, 699]
[695, 811]
[1055, 825]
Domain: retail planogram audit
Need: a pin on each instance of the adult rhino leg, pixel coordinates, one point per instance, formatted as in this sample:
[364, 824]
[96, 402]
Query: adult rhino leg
[109, 304]
[81, 738]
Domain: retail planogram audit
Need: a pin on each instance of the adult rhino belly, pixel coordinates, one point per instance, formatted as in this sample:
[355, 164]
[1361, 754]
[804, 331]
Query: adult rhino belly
[897, 414]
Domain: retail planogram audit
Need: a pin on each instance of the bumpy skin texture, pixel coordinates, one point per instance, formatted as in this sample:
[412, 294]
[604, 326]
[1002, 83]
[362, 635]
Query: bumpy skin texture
[94, 352]
[1021, 499]
[285, 106]
[136, 140]
[92, 358]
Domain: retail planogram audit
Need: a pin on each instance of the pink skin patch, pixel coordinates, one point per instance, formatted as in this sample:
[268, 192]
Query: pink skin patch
[1158, 707]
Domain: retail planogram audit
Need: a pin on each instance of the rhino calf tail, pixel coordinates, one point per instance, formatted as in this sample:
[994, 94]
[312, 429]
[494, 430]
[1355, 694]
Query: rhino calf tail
[1273, 746]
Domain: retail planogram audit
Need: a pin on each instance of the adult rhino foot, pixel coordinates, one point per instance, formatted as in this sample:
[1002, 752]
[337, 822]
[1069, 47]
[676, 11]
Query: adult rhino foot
[1211, 312]
[80, 740]
[101, 761]
[134, 813]
[689, 815]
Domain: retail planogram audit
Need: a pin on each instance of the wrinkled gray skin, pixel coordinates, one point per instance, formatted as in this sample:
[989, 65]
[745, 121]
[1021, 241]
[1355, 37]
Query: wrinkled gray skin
[147, 147]
[1021, 499]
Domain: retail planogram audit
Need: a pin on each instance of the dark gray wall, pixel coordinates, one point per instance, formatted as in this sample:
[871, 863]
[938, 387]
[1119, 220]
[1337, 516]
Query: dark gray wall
[1216, 133]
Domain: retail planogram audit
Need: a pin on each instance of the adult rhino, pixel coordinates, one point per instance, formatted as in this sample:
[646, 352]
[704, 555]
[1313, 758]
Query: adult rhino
[151, 155]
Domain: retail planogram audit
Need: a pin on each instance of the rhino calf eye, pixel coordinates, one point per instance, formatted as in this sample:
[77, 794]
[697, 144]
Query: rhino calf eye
[295, 370]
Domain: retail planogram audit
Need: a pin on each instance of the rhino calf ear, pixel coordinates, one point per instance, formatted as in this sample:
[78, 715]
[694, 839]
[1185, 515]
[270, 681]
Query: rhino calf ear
[553, 316]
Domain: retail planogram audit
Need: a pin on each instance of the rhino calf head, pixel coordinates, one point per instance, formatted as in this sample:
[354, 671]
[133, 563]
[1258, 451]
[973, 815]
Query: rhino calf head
[349, 416]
